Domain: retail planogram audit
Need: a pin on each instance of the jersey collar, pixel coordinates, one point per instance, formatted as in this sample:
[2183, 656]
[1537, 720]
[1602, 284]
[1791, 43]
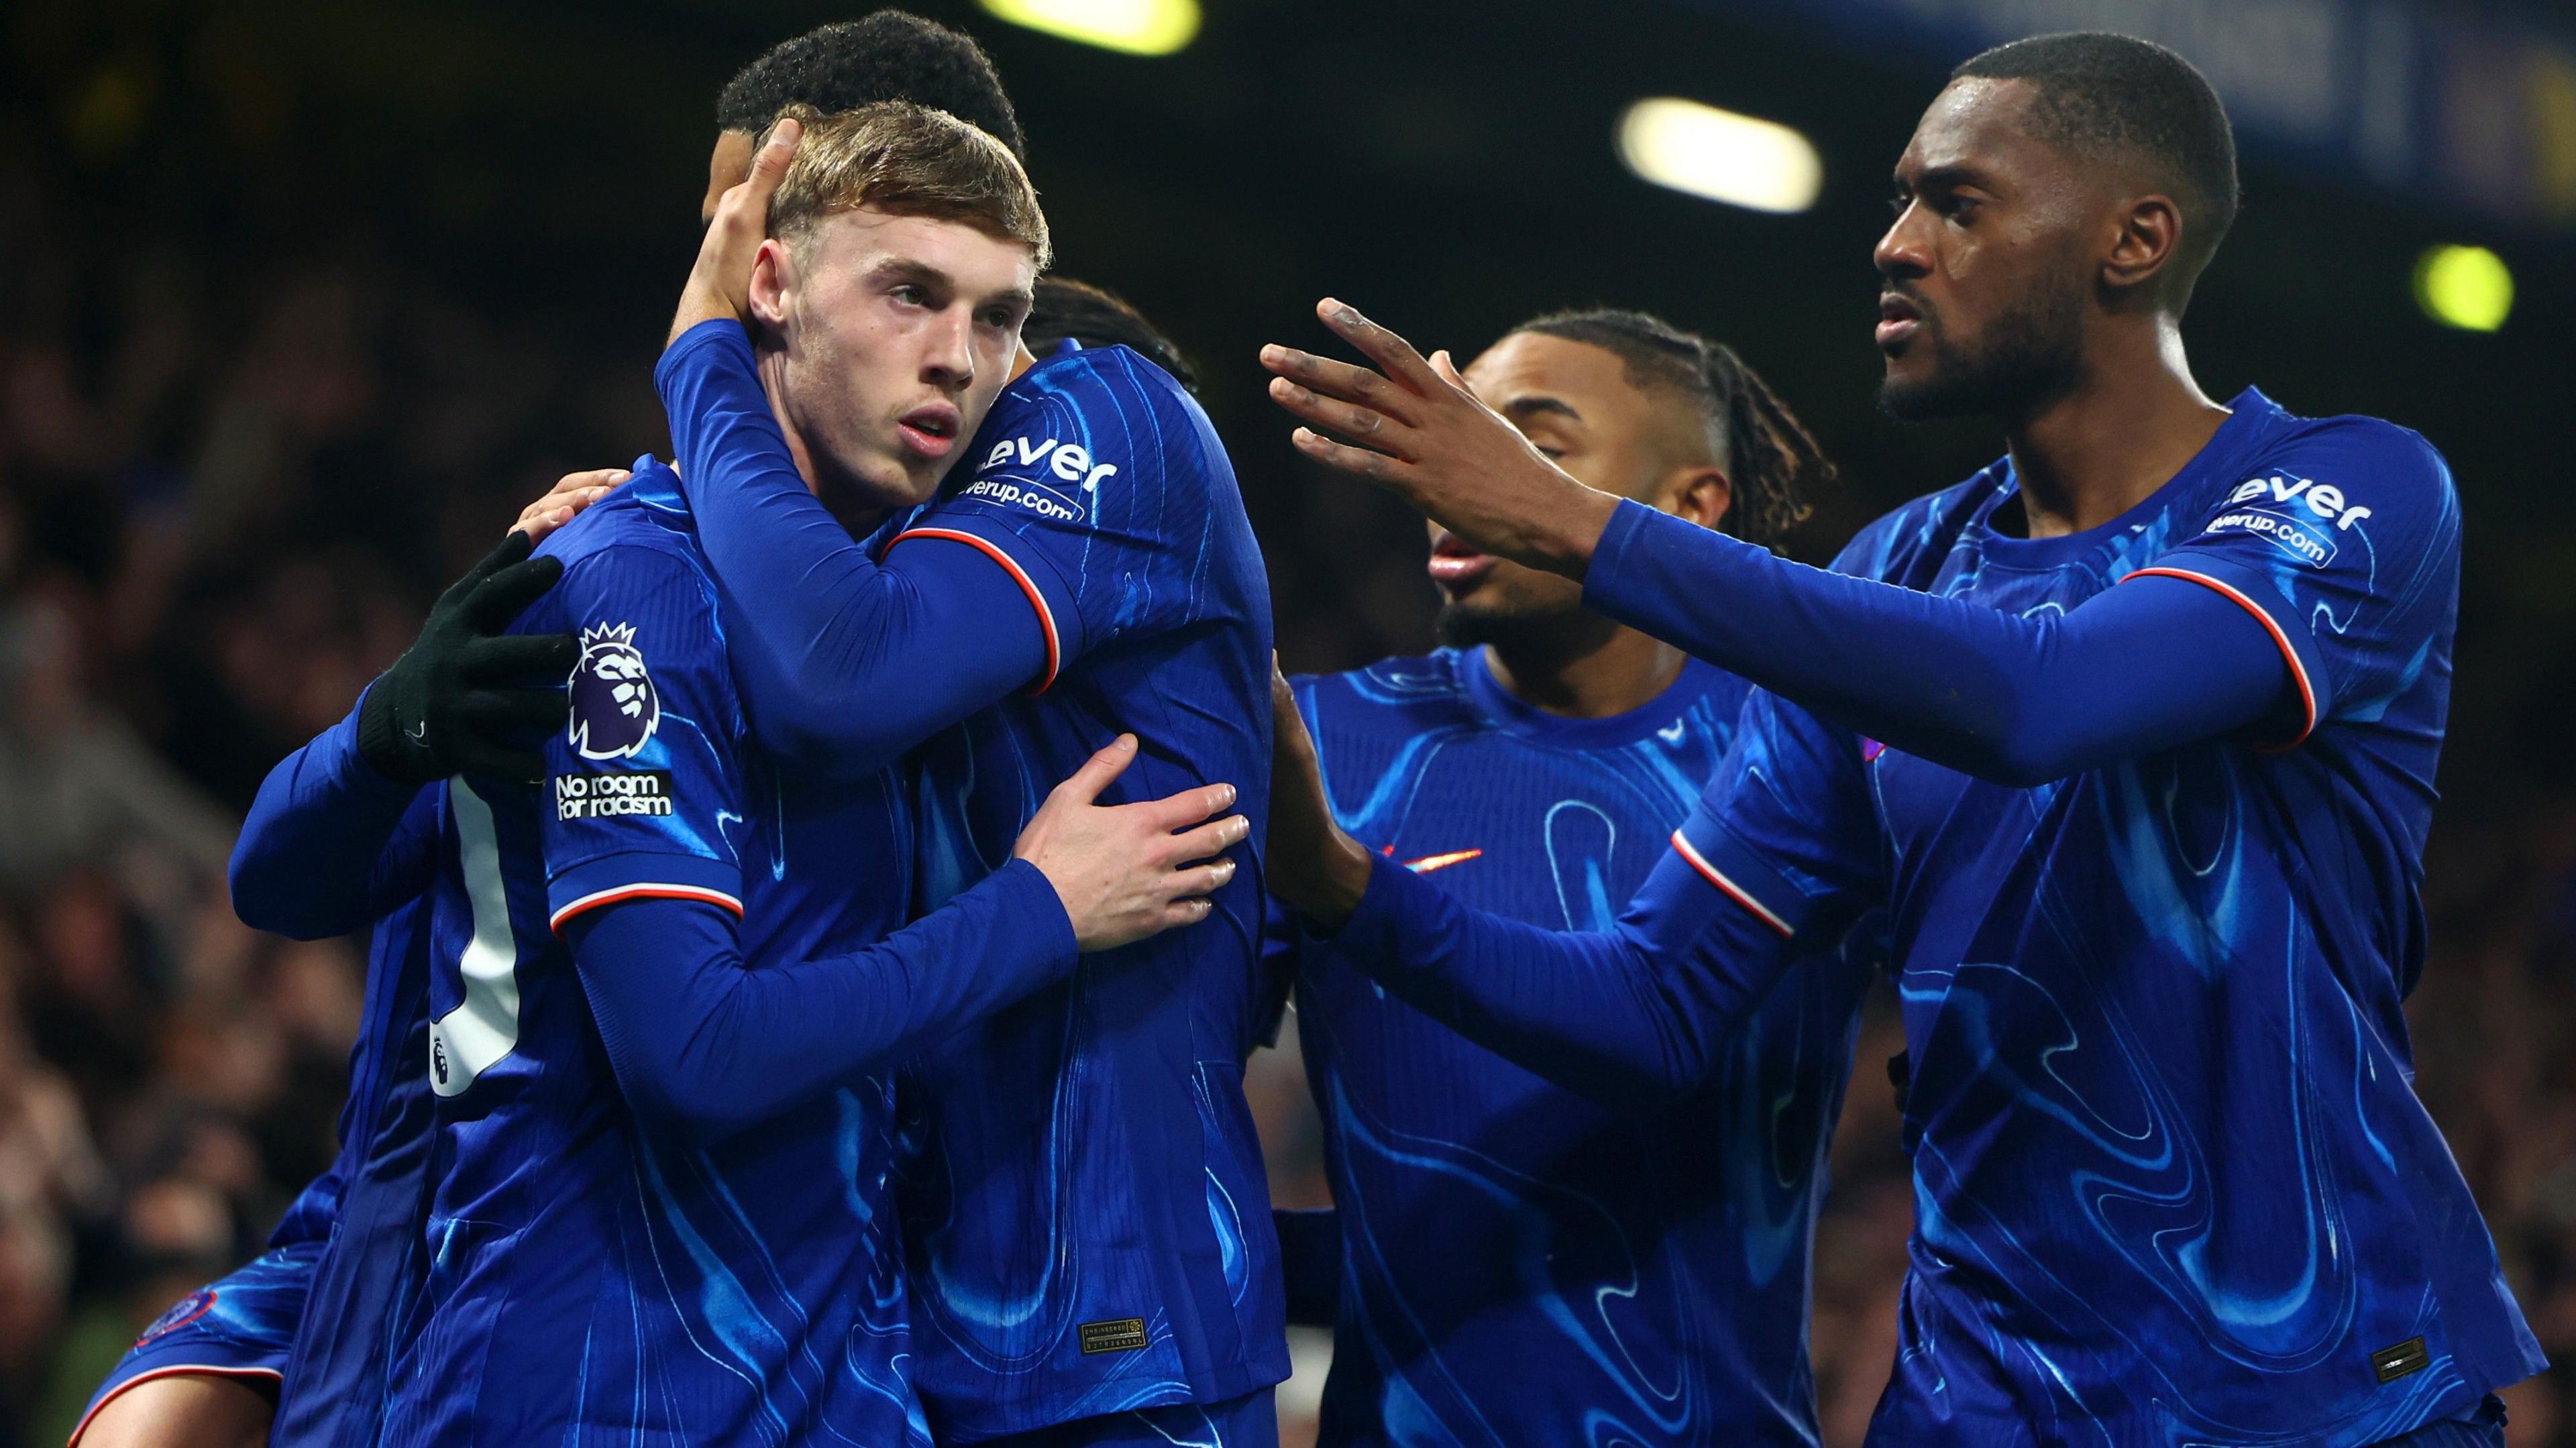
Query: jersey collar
[2250, 423]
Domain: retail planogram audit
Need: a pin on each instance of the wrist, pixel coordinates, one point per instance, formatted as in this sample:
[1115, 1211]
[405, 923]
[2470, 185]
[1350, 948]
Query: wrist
[1572, 534]
[1344, 880]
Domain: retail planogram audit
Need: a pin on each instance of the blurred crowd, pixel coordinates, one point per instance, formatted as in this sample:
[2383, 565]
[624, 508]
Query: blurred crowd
[231, 478]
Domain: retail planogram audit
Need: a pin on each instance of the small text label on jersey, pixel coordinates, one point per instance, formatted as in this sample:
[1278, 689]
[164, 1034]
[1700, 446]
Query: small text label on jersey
[615, 707]
[599, 794]
[1118, 1334]
[2289, 534]
[2323, 499]
[1068, 461]
[1037, 500]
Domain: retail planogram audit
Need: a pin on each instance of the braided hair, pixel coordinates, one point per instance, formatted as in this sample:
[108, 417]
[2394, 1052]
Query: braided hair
[1770, 458]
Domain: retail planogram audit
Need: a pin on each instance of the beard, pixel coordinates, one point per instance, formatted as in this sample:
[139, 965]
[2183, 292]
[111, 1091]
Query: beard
[2028, 352]
[1569, 629]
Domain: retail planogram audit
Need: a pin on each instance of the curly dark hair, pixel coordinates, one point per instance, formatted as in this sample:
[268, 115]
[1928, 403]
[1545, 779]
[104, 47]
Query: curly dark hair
[1770, 458]
[888, 55]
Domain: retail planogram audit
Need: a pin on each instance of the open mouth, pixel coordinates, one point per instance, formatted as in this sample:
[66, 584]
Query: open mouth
[1454, 565]
[930, 430]
[1898, 321]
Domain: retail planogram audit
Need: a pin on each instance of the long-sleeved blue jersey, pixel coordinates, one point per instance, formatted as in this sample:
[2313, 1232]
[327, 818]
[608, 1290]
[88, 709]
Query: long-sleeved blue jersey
[2172, 1183]
[1519, 1264]
[1089, 1226]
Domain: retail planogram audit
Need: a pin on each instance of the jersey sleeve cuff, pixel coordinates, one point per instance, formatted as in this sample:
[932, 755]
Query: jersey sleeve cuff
[1736, 871]
[1059, 619]
[641, 875]
[2254, 592]
[1037, 913]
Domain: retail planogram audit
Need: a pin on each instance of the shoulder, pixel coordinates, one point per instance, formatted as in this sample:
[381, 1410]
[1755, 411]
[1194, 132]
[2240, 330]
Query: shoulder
[1397, 697]
[1925, 528]
[1109, 401]
[630, 573]
[2363, 451]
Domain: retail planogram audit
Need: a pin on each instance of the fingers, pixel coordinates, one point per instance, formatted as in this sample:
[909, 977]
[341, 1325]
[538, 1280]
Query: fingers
[1350, 420]
[769, 165]
[1359, 462]
[1209, 839]
[475, 756]
[1383, 347]
[595, 481]
[499, 716]
[513, 548]
[1338, 379]
[499, 598]
[1097, 772]
[1186, 808]
[518, 656]
[1199, 880]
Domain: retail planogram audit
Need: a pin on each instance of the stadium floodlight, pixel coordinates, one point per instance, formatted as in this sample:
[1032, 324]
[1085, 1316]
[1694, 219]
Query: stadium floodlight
[2468, 287]
[1138, 27]
[1720, 155]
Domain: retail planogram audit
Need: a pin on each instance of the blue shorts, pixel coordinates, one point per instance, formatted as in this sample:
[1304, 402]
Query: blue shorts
[1250, 1421]
[236, 1327]
[2479, 1427]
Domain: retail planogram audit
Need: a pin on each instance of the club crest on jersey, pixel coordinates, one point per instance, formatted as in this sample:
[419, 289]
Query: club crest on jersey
[182, 1312]
[615, 707]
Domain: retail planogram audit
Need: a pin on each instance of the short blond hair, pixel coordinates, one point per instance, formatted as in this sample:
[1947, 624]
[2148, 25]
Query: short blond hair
[907, 160]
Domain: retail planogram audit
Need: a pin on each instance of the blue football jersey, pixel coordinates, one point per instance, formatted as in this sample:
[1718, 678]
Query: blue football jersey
[589, 1279]
[1519, 1264]
[1090, 1223]
[367, 1272]
[2173, 1185]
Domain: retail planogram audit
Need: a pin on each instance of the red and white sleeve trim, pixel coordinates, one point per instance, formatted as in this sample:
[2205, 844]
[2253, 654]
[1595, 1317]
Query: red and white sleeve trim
[598, 898]
[1019, 575]
[177, 1370]
[2280, 640]
[1735, 892]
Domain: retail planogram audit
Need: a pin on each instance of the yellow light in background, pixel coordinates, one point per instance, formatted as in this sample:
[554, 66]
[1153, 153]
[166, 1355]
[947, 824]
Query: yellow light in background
[2464, 286]
[1138, 27]
[1720, 155]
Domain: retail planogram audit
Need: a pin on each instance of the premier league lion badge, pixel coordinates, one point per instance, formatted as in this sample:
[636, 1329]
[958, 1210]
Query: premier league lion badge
[615, 708]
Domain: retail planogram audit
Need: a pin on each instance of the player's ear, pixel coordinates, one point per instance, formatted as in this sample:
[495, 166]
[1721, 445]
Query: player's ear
[2150, 231]
[773, 272]
[1699, 494]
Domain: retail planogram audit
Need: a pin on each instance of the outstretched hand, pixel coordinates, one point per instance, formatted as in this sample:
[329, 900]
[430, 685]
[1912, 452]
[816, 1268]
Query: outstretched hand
[720, 283]
[1424, 436]
[1129, 871]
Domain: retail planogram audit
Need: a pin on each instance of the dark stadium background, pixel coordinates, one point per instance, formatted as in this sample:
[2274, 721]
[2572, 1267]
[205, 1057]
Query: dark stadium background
[300, 302]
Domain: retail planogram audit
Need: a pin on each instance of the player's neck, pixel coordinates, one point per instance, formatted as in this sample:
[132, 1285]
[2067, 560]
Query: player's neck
[1585, 678]
[2130, 421]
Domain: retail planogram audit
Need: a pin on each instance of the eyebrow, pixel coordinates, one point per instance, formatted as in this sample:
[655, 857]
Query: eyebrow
[1946, 178]
[1520, 407]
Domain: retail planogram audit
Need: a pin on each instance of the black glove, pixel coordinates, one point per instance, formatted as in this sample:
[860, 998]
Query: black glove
[443, 707]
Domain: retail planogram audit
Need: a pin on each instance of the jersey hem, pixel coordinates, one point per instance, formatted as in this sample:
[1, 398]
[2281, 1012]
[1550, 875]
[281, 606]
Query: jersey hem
[1217, 1388]
[2280, 639]
[1020, 576]
[209, 1370]
[1741, 896]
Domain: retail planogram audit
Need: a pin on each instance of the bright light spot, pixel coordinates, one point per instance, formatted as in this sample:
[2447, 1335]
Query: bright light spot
[2464, 286]
[1720, 155]
[1138, 27]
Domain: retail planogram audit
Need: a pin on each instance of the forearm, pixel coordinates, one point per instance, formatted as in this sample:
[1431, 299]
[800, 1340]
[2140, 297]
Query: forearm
[707, 1044]
[312, 859]
[1614, 1015]
[2144, 667]
[843, 660]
